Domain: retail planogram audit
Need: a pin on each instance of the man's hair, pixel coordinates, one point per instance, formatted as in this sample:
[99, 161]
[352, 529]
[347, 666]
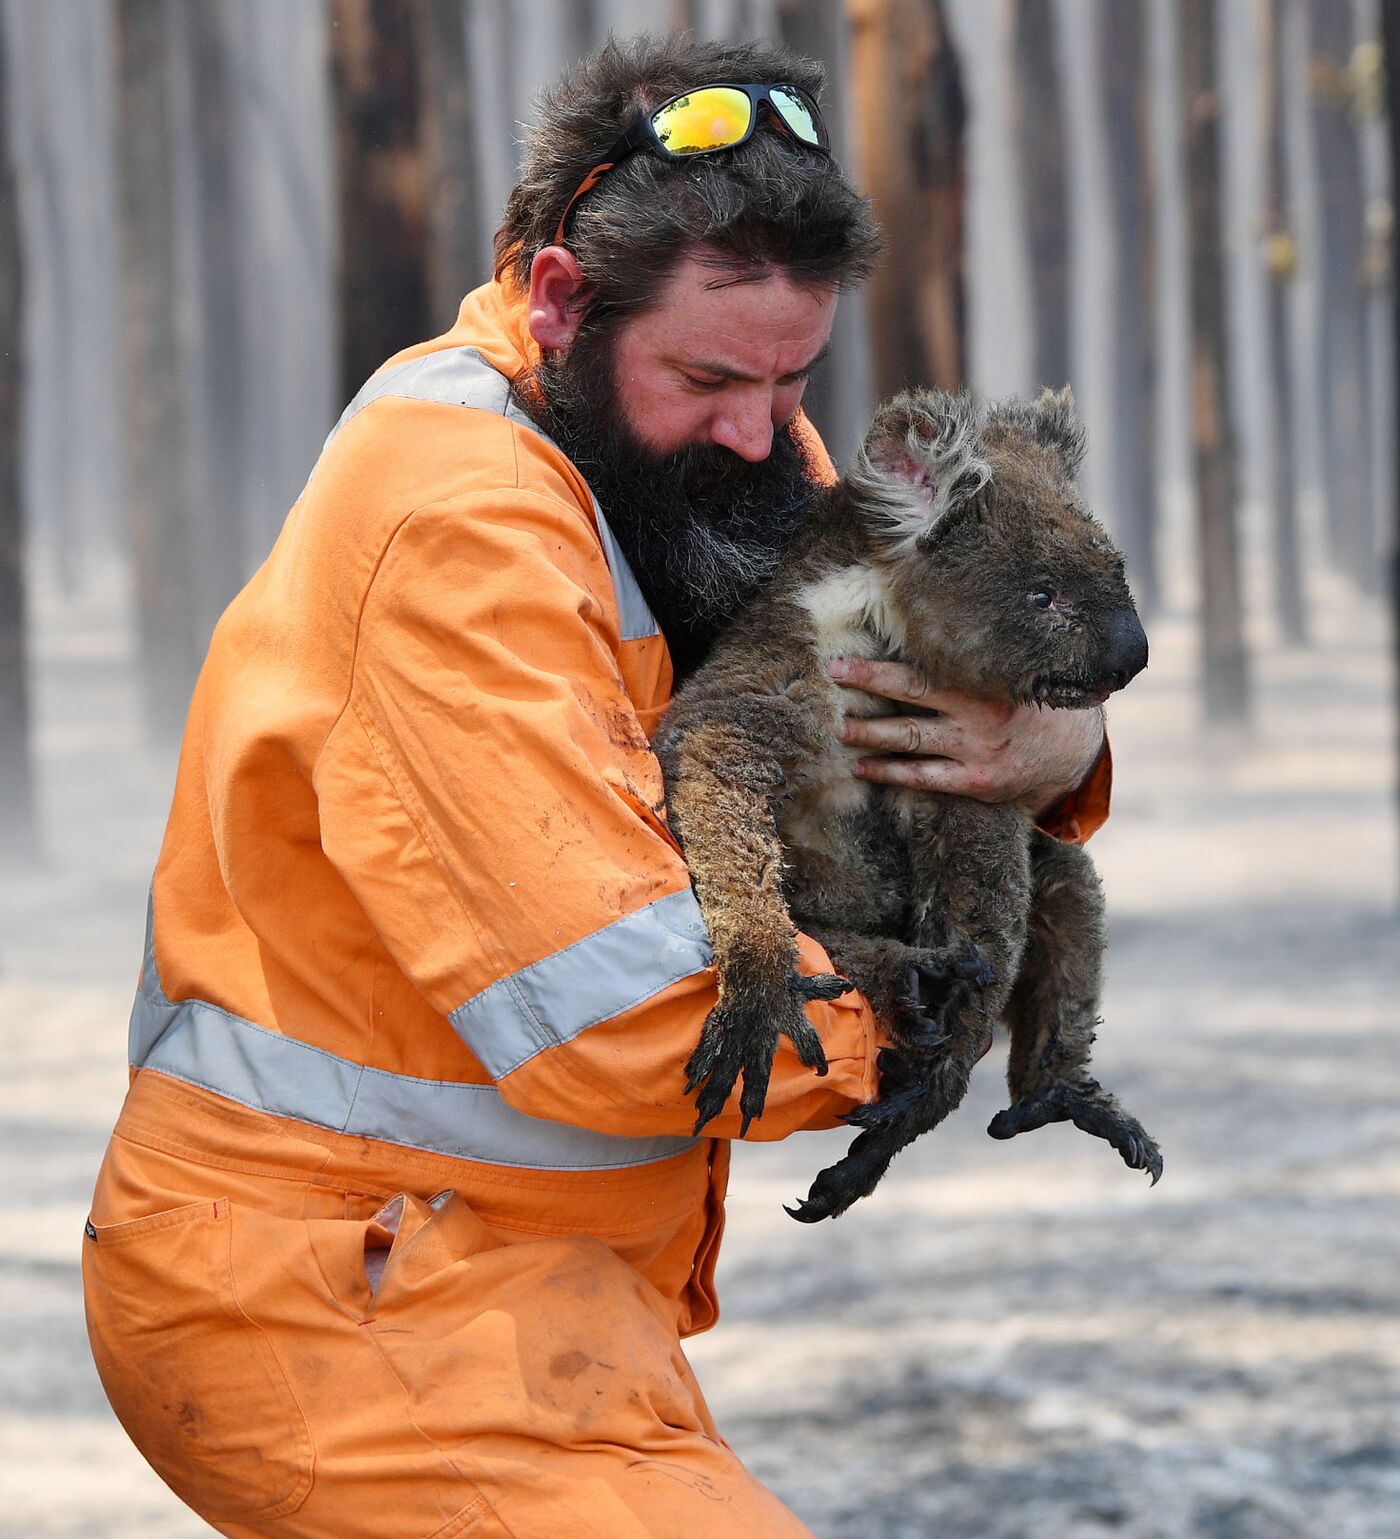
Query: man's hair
[772, 203]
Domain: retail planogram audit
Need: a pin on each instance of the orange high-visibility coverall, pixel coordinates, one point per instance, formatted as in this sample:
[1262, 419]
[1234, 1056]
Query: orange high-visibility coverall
[402, 1220]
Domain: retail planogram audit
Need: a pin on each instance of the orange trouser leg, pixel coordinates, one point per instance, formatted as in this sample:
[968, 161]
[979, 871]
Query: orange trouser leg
[535, 1389]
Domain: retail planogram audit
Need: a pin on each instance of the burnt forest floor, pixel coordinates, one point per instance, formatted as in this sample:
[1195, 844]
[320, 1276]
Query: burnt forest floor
[1008, 1341]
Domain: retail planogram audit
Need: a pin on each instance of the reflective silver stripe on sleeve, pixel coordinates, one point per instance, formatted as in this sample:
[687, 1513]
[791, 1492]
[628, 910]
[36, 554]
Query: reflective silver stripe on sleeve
[204, 1045]
[460, 376]
[598, 977]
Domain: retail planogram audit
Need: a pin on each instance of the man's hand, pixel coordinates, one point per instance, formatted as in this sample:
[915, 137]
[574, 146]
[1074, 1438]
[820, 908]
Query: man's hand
[985, 749]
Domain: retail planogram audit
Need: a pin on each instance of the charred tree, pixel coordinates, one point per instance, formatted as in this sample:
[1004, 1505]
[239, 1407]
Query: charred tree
[1280, 254]
[32, 46]
[1224, 664]
[910, 116]
[1039, 117]
[1390, 44]
[1122, 40]
[157, 474]
[454, 219]
[383, 183]
[839, 397]
[218, 538]
[17, 825]
[1341, 334]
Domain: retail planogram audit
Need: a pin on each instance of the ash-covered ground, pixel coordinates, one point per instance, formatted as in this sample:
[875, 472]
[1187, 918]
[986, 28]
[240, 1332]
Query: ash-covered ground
[1009, 1341]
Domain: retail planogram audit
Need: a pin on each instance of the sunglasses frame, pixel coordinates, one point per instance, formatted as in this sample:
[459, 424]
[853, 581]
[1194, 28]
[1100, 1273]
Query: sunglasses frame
[642, 134]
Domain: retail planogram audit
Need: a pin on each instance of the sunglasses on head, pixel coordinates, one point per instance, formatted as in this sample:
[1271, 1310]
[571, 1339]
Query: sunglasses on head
[710, 118]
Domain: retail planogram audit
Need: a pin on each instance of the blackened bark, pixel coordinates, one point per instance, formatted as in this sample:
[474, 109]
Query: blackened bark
[910, 117]
[157, 479]
[1280, 263]
[1224, 664]
[1038, 111]
[1390, 43]
[454, 235]
[838, 398]
[218, 469]
[1123, 67]
[17, 826]
[1341, 333]
[58, 238]
[383, 183]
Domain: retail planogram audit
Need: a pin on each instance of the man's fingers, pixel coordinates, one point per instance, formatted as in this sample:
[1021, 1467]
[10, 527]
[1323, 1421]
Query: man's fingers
[903, 734]
[928, 775]
[897, 681]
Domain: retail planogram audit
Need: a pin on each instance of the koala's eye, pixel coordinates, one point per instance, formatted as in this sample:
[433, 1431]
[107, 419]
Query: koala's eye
[1042, 598]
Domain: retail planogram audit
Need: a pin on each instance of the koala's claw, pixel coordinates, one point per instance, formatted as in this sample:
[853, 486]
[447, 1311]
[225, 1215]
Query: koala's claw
[815, 1206]
[937, 984]
[716, 1083]
[842, 1184]
[742, 1040]
[820, 986]
[795, 1026]
[976, 971]
[1094, 1112]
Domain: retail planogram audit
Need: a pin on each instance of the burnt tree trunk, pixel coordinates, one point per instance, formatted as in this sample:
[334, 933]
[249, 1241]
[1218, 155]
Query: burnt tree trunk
[910, 115]
[31, 46]
[1224, 664]
[157, 480]
[383, 183]
[454, 219]
[1342, 354]
[1280, 264]
[1039, 117]
[838, 398]
[1123, 40]
[17, 826]
[1390, 43]
[218, 537]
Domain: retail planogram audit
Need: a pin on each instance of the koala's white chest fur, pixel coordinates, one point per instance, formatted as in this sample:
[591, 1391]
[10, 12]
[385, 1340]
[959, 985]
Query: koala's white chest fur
[854, 616]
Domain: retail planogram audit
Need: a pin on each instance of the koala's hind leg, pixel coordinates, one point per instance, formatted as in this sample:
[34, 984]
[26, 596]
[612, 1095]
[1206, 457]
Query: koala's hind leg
[971, 874]
[1054, 1008]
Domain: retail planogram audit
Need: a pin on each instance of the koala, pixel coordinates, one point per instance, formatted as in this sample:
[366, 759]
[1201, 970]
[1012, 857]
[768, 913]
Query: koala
[957, 543]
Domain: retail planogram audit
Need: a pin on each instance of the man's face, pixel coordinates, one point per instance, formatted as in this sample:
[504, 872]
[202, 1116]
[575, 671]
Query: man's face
[680, 420]
[719, 362]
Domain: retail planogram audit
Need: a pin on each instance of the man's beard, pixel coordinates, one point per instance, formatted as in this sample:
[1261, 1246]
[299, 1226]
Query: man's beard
[702, 528]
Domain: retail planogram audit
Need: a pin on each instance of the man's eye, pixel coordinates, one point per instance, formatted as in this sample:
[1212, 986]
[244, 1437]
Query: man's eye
[702, 384]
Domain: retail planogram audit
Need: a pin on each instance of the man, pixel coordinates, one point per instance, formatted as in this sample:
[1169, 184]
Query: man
[402, 1221]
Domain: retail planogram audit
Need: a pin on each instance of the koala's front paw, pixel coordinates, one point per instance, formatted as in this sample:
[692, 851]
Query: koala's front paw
[741, 1036]
[1091, 1109]
[933, 988]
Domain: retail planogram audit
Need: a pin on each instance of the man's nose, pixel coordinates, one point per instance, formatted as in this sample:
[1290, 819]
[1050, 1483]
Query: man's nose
[745, 427]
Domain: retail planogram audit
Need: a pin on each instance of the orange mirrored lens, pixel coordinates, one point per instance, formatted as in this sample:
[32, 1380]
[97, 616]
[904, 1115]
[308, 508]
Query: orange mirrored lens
[708, 119]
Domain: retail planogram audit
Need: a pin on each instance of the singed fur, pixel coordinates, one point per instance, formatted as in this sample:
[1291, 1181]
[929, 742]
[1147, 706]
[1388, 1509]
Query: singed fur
[957, 543]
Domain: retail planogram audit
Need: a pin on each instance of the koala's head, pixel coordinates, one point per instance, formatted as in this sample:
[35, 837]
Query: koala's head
[1006, 584]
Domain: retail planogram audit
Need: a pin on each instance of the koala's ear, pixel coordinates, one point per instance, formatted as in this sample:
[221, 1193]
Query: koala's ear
[1058, 427]
[921, 460]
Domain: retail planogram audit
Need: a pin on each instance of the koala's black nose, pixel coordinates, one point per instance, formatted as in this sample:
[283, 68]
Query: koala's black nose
[1125, 646]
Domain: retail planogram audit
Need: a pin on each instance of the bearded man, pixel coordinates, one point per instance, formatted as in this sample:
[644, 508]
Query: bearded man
[403, 1219]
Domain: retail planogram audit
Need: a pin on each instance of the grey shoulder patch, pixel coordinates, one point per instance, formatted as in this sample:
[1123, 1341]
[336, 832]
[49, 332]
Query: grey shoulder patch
[460, 376]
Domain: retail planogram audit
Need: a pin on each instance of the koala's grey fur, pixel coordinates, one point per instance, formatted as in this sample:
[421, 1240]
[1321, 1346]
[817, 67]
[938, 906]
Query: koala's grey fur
[957, 543]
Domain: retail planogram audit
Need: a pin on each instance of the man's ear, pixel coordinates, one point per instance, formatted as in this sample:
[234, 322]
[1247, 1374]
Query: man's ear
[556, 281]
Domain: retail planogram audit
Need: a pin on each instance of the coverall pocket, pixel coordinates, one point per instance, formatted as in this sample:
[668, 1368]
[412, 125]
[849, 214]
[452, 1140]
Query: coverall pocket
[193, 1380]
[474, 1521]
